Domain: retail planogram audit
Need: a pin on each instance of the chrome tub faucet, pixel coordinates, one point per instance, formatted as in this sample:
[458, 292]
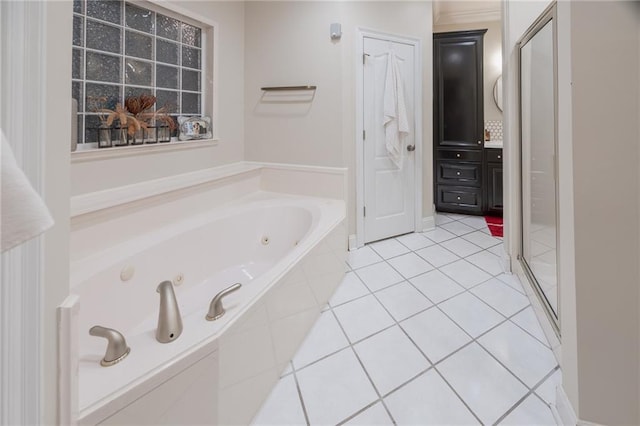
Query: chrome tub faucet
[169, 318]
[117, 348]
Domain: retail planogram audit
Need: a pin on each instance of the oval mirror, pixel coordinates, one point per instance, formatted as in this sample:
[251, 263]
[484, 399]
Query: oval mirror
[497, 93]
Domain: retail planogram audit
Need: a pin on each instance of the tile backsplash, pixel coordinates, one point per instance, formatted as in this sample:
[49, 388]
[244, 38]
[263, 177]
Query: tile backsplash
[495, 129]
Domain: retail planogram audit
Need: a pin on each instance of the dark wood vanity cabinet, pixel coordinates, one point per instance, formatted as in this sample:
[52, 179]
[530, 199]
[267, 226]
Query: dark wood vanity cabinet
[493, 188]
[458, 121]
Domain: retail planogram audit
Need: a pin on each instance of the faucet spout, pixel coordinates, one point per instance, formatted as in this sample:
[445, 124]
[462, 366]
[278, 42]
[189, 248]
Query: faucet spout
[169, 319]
[117, 348]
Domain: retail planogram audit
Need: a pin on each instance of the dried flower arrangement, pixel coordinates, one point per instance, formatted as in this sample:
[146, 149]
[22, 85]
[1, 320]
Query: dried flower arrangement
[140, 107]
[135, 115]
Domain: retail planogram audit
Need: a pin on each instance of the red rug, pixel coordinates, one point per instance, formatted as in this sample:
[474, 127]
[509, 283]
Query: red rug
[495, 225]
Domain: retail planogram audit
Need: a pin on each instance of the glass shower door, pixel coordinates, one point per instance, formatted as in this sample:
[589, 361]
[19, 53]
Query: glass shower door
[538, 165]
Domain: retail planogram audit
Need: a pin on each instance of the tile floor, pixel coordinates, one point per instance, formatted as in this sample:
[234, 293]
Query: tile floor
[425, 329]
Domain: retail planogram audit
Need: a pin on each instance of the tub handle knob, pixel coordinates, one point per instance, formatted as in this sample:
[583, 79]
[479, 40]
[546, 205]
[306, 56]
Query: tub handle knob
[216, 310]
[117, 348]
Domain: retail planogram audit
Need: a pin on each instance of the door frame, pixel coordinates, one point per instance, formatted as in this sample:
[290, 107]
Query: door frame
[361, 33]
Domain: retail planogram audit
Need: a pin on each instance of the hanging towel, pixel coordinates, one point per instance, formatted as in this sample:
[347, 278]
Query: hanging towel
[396, 125]
[23, 213]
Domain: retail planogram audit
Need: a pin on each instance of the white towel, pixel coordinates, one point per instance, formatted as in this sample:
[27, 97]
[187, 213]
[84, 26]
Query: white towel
[396, 125]
[23, 213]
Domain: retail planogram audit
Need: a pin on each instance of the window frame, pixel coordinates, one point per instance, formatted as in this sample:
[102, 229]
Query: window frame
[208, 72]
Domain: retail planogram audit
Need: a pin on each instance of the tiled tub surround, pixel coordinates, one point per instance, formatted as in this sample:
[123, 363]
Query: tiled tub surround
[285, 284]
[425, 329]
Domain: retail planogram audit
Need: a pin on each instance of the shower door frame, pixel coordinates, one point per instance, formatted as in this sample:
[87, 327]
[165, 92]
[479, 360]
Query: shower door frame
[549, 15]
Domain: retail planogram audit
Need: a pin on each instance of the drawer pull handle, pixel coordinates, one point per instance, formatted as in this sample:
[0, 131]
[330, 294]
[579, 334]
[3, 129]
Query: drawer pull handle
[458, 155]
[479, 142]
[499, 157]
[458, 173]
[458, 198]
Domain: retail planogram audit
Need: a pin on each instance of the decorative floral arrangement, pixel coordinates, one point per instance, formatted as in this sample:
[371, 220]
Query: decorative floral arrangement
[140, 108]
[135, 115]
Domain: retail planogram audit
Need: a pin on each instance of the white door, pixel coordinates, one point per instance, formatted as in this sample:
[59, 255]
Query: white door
[389, 192]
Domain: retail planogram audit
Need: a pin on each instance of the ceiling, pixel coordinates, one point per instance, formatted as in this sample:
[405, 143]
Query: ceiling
[459, 12]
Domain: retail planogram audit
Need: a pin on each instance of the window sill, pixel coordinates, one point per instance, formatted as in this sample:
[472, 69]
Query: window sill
[128, 151]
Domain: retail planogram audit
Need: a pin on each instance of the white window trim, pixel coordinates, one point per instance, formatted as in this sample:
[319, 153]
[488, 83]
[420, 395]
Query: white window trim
[209, 92]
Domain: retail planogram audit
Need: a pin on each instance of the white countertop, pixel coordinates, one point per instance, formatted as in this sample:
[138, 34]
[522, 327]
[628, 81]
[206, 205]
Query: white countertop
[493, 144]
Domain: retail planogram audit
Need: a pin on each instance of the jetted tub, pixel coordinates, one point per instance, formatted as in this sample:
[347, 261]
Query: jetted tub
[288, 253]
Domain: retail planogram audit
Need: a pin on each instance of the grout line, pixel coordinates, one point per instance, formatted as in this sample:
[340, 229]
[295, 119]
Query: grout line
[304, 408]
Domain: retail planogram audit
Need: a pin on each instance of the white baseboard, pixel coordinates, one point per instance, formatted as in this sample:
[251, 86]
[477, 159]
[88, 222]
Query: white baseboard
[353, 242]
[428, 223]
[563, 410]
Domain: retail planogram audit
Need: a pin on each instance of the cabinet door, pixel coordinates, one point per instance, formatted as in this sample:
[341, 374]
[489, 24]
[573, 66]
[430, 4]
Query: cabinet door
[458, 90]
[494, 188]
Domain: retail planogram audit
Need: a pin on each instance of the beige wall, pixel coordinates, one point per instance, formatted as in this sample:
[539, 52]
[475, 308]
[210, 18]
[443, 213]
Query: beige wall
[288, 43]
[56, 192]
[598, 107]
[605, 109]
[89, 176]
[492, 57]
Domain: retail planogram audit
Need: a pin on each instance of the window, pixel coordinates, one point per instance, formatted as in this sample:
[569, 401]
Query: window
[122, 49]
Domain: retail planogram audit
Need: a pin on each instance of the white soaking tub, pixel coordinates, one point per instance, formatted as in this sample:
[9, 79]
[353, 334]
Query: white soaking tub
[288, 253]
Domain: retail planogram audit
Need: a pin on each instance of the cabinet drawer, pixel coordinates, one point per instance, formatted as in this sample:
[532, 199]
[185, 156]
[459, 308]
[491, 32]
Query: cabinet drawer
[459, 199]
[494, 155]
[459, 173]
[460, 154]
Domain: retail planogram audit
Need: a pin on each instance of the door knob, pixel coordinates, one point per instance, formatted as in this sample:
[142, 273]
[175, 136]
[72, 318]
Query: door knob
[411, 148]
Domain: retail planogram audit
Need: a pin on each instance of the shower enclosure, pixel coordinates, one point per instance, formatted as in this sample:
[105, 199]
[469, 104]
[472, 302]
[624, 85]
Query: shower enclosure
[538, 154]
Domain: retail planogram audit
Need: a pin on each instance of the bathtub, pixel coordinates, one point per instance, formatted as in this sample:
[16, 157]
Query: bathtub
[288, 253]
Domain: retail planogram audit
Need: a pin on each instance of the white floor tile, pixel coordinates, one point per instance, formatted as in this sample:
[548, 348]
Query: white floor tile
[428, 401]
[465, 274]
[523, 355]
[547, 390]
[481, 239]
[471, 314]
[325, 337]
[439, 235]
[362, 257]
[457, 228]
[350, 288]
[531, 412]
[498, 250]
[527, 320]
[476, 222]
[461, 247]
[456, 216]
[282, 406]
[487, 261]
[486, 386]
[378, 276]
[512, 281]
[437, 255]
[335, 388]
[362, 317]
[389, 248]
[435, 334]
[374, 415]
[436, 286]
[441, 219]
[403, 300]
[390, 359]
[410, 265]
[415, 241]
[501, 297]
